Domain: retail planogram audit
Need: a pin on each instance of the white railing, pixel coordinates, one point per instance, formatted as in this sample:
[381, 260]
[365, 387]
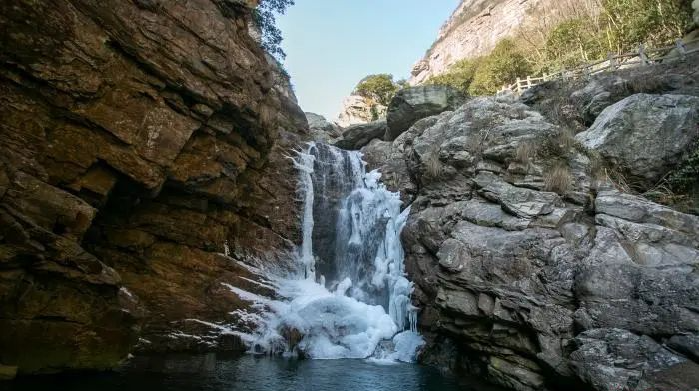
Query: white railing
[640, 57]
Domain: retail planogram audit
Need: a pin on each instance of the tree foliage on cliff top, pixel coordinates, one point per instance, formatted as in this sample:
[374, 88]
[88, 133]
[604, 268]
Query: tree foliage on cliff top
[487, 74]
[379, 87]
[591, 30]
[265, 17]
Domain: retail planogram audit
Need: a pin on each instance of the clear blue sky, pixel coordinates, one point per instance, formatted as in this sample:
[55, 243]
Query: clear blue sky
[332, 44]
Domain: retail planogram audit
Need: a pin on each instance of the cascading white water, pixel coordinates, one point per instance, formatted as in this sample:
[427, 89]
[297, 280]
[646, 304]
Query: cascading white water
[350, 297]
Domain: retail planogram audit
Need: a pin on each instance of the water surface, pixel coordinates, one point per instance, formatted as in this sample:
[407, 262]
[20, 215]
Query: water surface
[249, 373]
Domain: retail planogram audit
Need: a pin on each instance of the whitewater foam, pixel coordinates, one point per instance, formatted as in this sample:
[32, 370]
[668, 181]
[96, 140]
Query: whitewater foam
[360, 307]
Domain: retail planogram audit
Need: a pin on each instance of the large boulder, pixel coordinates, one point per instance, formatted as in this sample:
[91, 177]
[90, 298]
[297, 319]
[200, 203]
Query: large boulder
[321, 129]
[615, 359]
[645, 135]
[515, 251]
[412, 104]
[357, 136]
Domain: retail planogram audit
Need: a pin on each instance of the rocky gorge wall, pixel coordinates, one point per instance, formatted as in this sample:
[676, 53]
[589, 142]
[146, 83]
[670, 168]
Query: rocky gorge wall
[539, 259]
[138, 138]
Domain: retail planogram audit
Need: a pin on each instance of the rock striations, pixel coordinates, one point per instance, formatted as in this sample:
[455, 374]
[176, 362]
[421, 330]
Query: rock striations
[534, 269]
[138, 140]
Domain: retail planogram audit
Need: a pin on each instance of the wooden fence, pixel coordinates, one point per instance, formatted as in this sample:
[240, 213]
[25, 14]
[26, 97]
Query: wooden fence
[641, 57]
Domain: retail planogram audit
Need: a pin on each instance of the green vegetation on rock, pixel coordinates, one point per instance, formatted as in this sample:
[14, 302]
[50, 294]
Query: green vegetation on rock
[620, 26]
[460, 75]
[266, 21]
[503, 65]
[380, 88]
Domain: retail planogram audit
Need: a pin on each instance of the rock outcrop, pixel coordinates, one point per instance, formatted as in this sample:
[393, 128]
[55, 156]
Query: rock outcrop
[646, 135]
[357, 110]
[321, 129]
[357, 136]
[414, 103]
[476, 26]
[532, 268]
[139, 142]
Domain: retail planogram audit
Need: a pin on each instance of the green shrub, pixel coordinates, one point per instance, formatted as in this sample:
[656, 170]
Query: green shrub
[380, 87]
[502, 66]
[459, 76]
[653, 22]
[570, 44]
[686, 177]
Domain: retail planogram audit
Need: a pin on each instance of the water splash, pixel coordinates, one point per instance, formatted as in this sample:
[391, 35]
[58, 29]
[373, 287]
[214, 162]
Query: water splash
[350, 297]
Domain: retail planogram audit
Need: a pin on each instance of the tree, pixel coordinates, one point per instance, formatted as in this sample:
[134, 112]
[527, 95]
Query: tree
[572, 43]
[459, 76]
[265, 18]
[503, 65]
[379, 87]
[653, 22]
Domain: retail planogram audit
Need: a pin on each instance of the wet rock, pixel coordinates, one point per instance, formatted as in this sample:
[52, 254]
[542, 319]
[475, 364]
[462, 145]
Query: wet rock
[613, 359]
[685, 344]
[7, 372]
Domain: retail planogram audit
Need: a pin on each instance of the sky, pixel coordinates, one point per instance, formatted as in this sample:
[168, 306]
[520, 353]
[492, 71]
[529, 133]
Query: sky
[332, 44]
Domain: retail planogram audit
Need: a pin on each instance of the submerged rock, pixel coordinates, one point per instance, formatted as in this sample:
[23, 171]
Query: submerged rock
[7, 372]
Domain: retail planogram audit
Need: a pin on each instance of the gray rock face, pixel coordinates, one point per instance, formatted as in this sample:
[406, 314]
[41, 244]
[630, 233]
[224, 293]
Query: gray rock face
[412, 104]
[614, 359]
[357, 136]
[321, 129]
[530, 282]
[646, 135]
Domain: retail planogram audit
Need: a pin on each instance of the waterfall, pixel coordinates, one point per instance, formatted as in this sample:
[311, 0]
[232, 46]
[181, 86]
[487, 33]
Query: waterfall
[350, 297]
[362, 256]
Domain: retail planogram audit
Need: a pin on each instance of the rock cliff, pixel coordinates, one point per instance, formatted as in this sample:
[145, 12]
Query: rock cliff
[476, 26]
[537, 267]
[357, 110]
[139, 139]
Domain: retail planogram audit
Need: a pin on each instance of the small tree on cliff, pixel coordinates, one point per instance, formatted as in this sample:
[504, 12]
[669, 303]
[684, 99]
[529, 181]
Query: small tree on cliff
[265, 17]
[380, 87]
